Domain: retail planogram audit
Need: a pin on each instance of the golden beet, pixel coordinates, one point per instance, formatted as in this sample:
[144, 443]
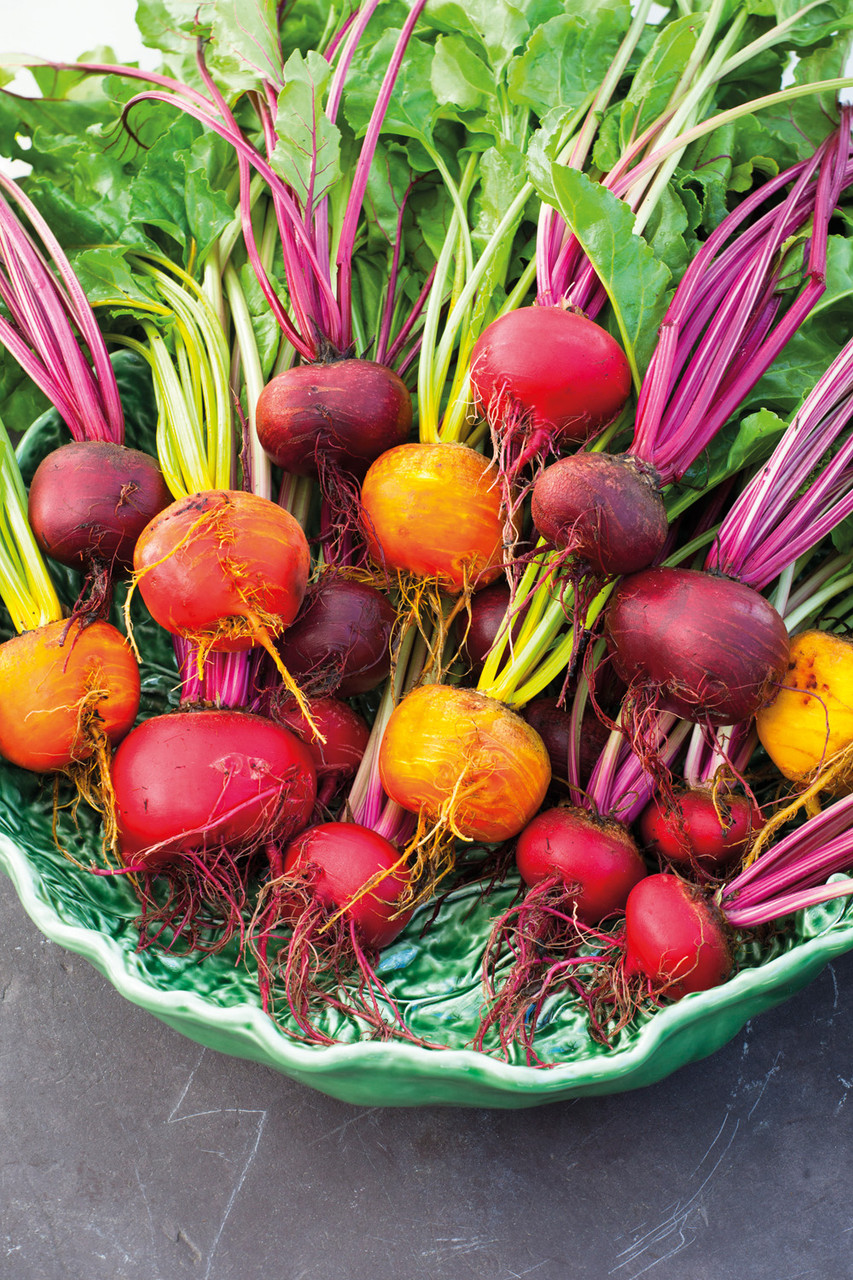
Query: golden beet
[811, 718]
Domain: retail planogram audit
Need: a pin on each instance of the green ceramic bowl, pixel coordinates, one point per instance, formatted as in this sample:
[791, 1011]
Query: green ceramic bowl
[432, 973]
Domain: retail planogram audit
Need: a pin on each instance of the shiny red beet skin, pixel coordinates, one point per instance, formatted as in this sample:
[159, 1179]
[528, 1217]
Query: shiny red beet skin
[699, 832]
[346, 856]
[197, 780]
[596, 859]
[675, 937]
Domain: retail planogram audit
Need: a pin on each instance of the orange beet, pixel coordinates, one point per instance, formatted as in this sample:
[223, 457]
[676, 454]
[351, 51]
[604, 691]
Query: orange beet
[455, 755]
[434, 510]
[60, 686]
[214, 565]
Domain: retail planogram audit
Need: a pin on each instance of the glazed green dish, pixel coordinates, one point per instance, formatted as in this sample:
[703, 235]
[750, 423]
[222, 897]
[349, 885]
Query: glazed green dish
[432, 971]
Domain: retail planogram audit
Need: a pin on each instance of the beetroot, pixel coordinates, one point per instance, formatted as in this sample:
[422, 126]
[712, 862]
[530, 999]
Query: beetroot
[553, 723]
[194, 781]
[579, 869]
[707, 648]
[676, 939]
[332, 903]
[340, 641]
[702, 831]
[346, 735]
[344, 413]
[550, 375]
[91, 499]
[594, 859]
[605, 511]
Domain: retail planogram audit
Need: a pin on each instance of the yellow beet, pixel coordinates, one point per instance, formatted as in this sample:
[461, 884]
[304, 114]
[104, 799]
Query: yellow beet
[811, 719]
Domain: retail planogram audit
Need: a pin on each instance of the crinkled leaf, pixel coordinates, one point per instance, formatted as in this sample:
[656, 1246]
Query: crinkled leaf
[108, 280]
[668, 232]
[307, 153]
[20, 397]
[636, 281]
[176, 189]
[173, 27]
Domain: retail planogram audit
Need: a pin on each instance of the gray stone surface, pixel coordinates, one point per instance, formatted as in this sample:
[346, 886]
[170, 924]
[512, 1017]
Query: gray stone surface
[130, 1153]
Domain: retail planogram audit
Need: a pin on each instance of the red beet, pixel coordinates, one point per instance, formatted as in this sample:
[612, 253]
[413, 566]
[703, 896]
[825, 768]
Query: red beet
[332, 904]
[707, 648]
[346, 736]
[197, 780]
[344, 413]
[605, 510]
[676, 937]
[346, 857]
[483, 622]
[595, 858]
[553, 724]
[340, 641]
[90, 500]
[555, 371]
[700, 832]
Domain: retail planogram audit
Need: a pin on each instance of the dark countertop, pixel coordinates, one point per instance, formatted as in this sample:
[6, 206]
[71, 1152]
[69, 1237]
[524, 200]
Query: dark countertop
[131, 1153]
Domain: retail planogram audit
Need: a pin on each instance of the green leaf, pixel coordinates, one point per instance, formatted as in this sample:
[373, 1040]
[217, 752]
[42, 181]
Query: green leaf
[307, 153]
[264, 324]
[176, 188]
[108, 281]
[568, 56]
[461, 79]
[657, 76]
[498, 26]
[245, 49]
[412, 110]
[636, 281]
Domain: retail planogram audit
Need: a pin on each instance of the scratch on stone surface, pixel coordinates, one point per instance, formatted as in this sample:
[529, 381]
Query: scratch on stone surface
[176, 1108]
[175, 1118]
[517, 1275]
[848, 1084]
[341, 1128]
[674, 1228]
[262, 1120]
[458, 1244]
[772, 1072]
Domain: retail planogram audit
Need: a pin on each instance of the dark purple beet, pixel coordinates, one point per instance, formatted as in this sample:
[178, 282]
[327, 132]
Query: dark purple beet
[340, 641]
[90, 500]
[605, 509]
[553, 724]
[344, 413]
[707, 647]
[487, 613]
